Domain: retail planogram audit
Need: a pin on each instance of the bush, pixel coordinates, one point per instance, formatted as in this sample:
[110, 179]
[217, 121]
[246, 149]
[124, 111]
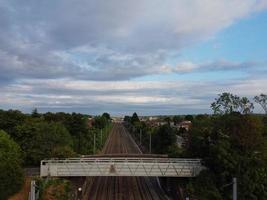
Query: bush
[11, 173]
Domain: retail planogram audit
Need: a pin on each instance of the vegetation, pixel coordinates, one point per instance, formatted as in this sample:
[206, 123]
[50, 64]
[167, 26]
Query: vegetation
[39, 139]
[232, 143]
[189, 118]
[163, 137]
[55, 189]
[262, 100]
[29, 138]
[177, 119]
[228, 103]
[10, 119]
[11, 173]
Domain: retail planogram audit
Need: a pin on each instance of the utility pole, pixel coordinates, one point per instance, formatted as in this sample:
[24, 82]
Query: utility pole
[94, 142]
[234, 185]
[101, 137]
[234, 189]
[32, 192]
[79, 141]
[150, 143]
[140, 136]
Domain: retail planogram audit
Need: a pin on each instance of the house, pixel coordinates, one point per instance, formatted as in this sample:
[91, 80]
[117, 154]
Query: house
[156, 122]
[184, 124]
[117, 119]
[90, 122]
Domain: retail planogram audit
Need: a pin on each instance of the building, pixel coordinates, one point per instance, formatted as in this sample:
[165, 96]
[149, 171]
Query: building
[90, 122]
[184, 124]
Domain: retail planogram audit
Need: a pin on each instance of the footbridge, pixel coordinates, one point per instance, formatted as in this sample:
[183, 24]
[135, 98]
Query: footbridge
[121, 166]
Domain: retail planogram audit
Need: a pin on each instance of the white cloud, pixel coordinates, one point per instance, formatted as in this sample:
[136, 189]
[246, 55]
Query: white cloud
[85, 53]
[186, 67]
[100, 40]
[147, 96]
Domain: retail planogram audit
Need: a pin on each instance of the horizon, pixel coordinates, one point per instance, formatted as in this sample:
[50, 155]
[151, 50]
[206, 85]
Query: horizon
[129, 114]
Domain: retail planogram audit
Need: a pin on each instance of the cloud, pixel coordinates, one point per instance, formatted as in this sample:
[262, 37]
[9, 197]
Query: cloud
[100, 40]
[219, 65]
[85, 55]
[147, 97]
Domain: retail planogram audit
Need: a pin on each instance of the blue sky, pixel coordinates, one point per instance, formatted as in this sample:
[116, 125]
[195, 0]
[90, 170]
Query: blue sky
[244, 40]
[154, 57]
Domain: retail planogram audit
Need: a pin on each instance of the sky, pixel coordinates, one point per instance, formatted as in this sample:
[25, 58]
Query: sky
[152, 57]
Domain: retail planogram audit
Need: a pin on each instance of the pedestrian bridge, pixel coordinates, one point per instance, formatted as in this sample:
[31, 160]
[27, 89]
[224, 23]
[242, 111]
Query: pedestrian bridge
[121, 166]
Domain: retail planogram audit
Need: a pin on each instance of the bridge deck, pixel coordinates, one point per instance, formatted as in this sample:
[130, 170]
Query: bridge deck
[121, 166]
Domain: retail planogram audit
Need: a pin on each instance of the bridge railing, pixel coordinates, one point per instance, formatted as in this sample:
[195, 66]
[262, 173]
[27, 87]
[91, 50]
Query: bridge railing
[118, 166]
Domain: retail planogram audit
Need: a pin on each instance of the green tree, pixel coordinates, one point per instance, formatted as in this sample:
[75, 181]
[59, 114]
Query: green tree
[127, 119]
[177, 119]
[64, 118]
[232, 145]
[10, 119]
[100, 122]
[106, 115]
[35, 113]
[228, 103]
[38, 139]
[134, 118]
[11, 173]
[63, 152]
[163, 139]
[189, 118]
[204, 187]
[76, 123]
[262, 100]
[168, 120]
[202, 117]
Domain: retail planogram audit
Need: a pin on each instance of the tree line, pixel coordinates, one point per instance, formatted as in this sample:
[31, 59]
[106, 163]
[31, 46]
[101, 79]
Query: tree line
[232, 142]
[26, 139]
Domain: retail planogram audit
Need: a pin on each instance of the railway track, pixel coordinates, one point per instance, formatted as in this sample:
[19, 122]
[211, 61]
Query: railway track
[120, 188]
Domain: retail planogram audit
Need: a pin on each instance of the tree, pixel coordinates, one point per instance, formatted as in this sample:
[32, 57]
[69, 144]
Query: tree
[76, 123]
[203, 187]
[189, 118]
[228, 103]
[134, 118]
[127, 118]
[262, 100]
[64, 118]
[177, 119]
[246, 107]
[106, 115]
[163, 139]
[63, 152]
[10, 119]
[100, 122]
[11, 173]
[35, 113]
[38, 139]
[202, 117]
[168, 120]
[231, 145]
